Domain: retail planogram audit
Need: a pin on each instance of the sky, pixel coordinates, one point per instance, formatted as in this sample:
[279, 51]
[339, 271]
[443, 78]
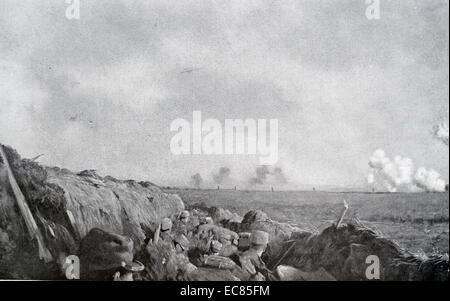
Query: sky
[101, 92]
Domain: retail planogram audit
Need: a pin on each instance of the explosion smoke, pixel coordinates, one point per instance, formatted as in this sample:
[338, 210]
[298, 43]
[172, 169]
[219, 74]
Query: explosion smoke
[399, 174]
[196, 180]
[266, 174]
[429, 180]
[223, 176]
[392, 174]
[440, 132]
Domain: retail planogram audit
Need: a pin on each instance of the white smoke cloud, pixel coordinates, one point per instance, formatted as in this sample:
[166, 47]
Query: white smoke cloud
[440, 131]
[371, 178]
[429, 180]
[392, 174]
[398, 174]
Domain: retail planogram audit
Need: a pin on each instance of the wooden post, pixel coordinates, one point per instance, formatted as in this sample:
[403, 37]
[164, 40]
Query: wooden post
[341, 218]
[32, 227]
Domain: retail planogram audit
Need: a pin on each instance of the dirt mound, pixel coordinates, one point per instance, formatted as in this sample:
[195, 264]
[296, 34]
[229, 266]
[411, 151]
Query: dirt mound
[219, 215]
[344, 253]
[124, 207]
[66, 207]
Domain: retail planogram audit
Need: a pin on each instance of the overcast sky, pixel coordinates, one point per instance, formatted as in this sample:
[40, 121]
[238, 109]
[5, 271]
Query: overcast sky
[100, 92]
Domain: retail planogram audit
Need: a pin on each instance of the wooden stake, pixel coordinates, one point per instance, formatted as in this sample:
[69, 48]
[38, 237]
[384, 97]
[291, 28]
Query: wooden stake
[32, 227]
[341, 218]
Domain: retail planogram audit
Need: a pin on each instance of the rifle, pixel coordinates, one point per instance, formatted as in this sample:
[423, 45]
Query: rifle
[156, 235]
[294, 242]
[32, 227]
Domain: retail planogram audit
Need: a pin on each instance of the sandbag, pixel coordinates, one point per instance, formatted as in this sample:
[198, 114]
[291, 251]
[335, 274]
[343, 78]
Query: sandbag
[288, 273]
[220, 262]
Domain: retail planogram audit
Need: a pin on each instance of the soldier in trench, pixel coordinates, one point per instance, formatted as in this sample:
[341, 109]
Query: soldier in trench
[250, 260]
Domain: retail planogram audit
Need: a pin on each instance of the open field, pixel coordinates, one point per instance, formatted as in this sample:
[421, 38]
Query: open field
[417, 221]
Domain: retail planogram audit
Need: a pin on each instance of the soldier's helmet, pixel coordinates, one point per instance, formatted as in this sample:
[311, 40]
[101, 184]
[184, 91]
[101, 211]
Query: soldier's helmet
[244, 240]
[206, 221]
[259, 238]
[184, 214]
[166, 224]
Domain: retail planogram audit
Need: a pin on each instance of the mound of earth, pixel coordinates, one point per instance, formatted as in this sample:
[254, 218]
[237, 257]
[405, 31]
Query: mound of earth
[348, 251]
[66, 206]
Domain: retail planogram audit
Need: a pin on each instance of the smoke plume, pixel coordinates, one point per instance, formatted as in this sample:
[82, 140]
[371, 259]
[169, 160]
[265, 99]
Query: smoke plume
[196, 180]
[398, 174]
[440, 132]
[223, 176]
[266, 174]
[392, 174]
[429, 180]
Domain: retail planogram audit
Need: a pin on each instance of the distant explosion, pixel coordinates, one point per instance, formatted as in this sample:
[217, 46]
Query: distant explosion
[392, 174]
[223, 176]
[196, 180]
[440, 132]
[265, 174]
[398, 174]
[429, 180]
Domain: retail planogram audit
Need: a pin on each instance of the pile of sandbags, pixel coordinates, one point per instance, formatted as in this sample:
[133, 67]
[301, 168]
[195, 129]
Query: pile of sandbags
[220, 214]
